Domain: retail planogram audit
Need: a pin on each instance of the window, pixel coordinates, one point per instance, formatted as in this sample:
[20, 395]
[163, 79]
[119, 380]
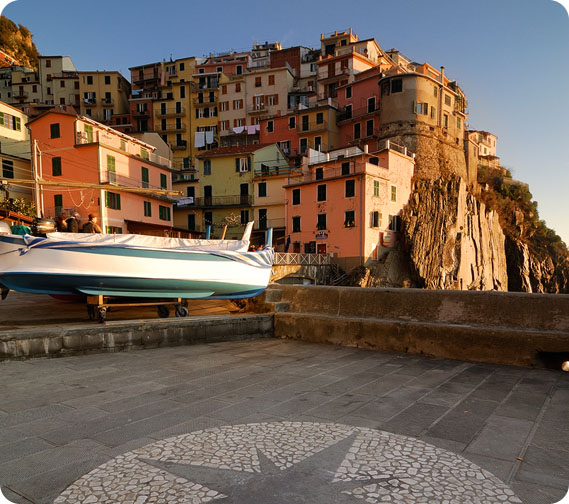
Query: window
[143, 153]
[396, 85]
[239, 70]
[420, 108]
[163, 213]
[244, 216]
[321, 221]
[319, 173]
[375, 219]
[459, 123]
[303, 144]
[242, 165]
[320, 118]
[270, 126]
[394, 223]
[219, 69]
[107, 80]
[376, 188]
[271, 80]
[56, 166]
[89, 79]
[349, 92]
[369, 128]
[237, 87]
[257, 81]
[304, 123]
[346, 168]
[48, 63]
[357, 131]
[163, 181]
[62, 101]
[445, 120]
[371, 104]
[393, 193]
[182, 67]
[54, 130]
[114, 230]
[296, 224]
[208, 218]
[147, 209]
[113, 200]
[318, 143]
[321, 192]
[237, 104]
[57, 201]
[110, 163]
[262, 189]
[88, 133]
[350, 188]
[144, 176]
[207, 166]
[374, 160]
[224, 89]
[448, 100]
[349, 218]
[191, 222]
[310, 247]
[436, 91]
[182, 92]
[296, 196]
[62, 83]
[433, 112]
[7, 168]
[292, 122]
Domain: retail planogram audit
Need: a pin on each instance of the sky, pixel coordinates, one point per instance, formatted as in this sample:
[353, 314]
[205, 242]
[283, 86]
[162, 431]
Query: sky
[509, 56]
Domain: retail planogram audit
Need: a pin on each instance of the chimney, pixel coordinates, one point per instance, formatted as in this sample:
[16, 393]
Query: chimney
[366, 148]
[327, 156]
[443, 75]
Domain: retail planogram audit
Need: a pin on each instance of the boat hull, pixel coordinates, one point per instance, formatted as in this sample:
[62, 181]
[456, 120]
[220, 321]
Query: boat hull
[70, 268]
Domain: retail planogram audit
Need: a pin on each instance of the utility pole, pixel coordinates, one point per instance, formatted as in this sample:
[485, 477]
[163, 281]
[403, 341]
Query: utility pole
[36, 179]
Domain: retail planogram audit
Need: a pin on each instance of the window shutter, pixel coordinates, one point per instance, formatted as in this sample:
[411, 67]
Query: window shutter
[237, 164]
[414, 107]
[107, 199]
[118, 201]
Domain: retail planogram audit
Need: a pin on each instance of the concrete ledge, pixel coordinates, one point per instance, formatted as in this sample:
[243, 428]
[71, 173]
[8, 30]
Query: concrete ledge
[499, 345]
[115, 336]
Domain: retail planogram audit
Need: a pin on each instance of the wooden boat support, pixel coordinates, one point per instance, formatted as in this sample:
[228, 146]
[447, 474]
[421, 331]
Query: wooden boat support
[97, 306]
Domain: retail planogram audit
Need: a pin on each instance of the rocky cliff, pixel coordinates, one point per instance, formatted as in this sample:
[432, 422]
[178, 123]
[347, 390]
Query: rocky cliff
[453, 240]
[16, 41]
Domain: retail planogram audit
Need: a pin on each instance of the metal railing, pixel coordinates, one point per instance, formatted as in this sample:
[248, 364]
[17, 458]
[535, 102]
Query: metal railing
[311, 126]
[171, 112]
[354, 114]
[284, 258]
[273, 171]
[220, 201]
[171, 127]
[270, 223]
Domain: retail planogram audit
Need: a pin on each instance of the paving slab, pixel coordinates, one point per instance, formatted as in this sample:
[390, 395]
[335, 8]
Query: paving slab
[257, 419]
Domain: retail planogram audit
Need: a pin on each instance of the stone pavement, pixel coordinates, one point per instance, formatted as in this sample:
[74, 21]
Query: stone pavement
[269, 421]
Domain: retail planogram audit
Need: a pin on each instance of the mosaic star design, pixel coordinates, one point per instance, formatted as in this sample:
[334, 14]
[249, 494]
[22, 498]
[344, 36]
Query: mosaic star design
[288, 463]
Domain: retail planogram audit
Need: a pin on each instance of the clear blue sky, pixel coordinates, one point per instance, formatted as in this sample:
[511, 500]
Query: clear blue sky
[510, 56]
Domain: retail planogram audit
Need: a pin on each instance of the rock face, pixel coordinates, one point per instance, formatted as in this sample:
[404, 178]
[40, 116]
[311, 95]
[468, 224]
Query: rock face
[454, 242]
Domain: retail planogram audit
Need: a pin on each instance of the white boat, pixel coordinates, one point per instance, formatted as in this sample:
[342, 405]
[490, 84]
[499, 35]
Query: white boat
[133, 266]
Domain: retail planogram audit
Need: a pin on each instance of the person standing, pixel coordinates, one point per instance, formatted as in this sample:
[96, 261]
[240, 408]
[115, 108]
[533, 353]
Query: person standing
[91, 225]
[73, 223]
[61, 223]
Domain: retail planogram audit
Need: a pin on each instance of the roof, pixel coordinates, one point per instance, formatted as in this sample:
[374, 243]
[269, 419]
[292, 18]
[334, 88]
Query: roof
[237, 149]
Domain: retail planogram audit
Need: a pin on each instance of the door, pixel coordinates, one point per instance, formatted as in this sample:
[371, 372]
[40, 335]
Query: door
[244, 194]
[321, 248]
[207, 194]
[262, 218]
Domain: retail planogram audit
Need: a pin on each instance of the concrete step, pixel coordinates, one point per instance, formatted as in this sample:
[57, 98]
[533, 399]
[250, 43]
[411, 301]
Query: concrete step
[273, 295]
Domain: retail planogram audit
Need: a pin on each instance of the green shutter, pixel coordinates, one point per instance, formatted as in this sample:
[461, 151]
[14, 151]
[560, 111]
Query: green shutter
[2, 118]
[110, 163]
[414, 107]
[17, 123]
[236, 164]
[56, 166]
[118, 201]
[107, 199]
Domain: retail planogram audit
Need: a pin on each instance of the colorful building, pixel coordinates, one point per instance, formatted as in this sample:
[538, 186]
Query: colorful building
[348, 201]
[103, 95]
[91, 168]
[14, 154]
[227, 184]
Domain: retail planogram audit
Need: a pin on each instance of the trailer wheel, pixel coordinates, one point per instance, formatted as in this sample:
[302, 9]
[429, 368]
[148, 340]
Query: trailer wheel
[163, 311]
[102, 315]
[181, 311]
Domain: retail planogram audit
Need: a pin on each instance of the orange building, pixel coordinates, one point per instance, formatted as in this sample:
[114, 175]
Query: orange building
[120, 178]
[348, 202]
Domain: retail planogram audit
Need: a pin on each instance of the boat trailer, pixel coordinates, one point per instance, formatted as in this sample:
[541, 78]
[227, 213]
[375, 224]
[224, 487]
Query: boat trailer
[97, 306]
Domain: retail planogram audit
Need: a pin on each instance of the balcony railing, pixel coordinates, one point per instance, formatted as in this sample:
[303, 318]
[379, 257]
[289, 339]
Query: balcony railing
[366, 135]
[258, 108]
[205, 102]
[90, 101]
[357, 113]
[311, 126]
[274, 171]
[141, 114]
[183, 145]
[171, 128]
[107, 102]
[171, 112]
[223, 201]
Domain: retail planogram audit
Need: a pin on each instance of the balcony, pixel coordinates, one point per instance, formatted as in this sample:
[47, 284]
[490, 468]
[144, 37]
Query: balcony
[363, 137]
[311, 126]
[204, 102]
[171, 128]
[171, 112]
[274, 171]
[324, 78]
[141, 114]
[263, 224]
[224, 201]
[90, 101]
[347, 115]
[258, 108]
[22, 95]
[107, 102]
[183, 145]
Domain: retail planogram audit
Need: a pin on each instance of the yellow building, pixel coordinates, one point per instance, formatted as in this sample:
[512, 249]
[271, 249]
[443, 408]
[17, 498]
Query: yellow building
[14, 154]
[226, 185]
[204, 131]
[103, 94]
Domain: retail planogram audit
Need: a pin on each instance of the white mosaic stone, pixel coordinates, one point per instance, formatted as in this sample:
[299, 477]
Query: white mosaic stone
[377, 467]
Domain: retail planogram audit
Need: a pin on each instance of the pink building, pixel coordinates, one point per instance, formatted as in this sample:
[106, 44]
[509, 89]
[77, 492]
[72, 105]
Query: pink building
[348, 202]
[92, 168]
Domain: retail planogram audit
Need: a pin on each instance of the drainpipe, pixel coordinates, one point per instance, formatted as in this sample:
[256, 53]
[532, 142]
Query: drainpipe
[102, 205]
[362, 186]
[440, 114]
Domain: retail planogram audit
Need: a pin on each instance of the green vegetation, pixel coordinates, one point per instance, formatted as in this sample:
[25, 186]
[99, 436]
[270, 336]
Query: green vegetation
[16, 41]
[19, 205]
[518, 213]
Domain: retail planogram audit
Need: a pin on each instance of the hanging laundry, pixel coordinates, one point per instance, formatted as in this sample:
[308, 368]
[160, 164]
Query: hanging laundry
[200, 139]
[238, 129]
[251, 130]
[209, 137]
